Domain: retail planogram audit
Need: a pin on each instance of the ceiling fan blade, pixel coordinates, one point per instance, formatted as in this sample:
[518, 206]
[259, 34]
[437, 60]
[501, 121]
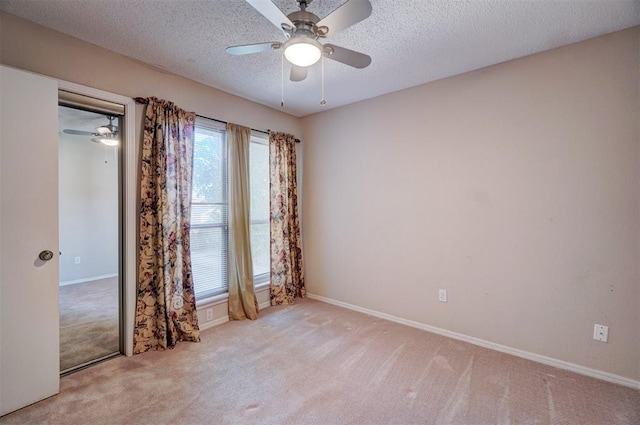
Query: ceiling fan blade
[271, 12]
[352, 12]
[78, 132]
[298, 73]
[346, 56]
[253, 48]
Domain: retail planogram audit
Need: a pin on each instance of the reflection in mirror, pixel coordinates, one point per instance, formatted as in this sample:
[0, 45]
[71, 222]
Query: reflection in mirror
[89, 206]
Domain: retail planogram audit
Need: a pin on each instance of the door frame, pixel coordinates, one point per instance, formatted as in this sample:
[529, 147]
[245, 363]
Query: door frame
[129, 199]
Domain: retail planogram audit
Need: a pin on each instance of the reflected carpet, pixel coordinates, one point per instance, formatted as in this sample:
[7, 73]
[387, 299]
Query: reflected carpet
[88, 321]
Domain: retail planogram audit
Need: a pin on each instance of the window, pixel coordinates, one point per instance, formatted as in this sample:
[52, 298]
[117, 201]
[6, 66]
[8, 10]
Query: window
[259, 188]
[209, 206]
[209, 209]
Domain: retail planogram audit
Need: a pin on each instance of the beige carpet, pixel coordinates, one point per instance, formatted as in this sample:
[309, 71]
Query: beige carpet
[314, 363]
[88, 322]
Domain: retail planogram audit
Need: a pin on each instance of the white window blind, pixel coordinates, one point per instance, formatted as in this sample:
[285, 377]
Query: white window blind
[209, 210]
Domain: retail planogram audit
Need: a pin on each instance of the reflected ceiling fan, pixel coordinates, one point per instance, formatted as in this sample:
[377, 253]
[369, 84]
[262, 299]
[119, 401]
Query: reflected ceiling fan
[105, 134]
[303, 30]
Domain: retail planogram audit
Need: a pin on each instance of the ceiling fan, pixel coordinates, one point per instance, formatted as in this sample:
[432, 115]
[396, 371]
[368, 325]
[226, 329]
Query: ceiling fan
[105, 134]
[303, 29]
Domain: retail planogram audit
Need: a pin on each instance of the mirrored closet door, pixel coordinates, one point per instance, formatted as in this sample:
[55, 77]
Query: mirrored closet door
[90, 234]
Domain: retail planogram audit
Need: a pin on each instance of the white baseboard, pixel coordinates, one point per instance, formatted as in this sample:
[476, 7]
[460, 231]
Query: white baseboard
[225, 319]
[216, 322]
[87, 279]
[264, 305]
[561, 364]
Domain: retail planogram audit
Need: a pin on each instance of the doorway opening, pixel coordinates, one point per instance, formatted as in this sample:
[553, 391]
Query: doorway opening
[90, 231]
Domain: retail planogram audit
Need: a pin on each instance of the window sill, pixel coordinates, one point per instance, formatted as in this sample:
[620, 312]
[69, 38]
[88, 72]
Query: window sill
[222, 298]
[214, 300]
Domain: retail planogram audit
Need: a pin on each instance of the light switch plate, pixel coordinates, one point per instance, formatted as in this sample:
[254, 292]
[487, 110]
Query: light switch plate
[442, 295]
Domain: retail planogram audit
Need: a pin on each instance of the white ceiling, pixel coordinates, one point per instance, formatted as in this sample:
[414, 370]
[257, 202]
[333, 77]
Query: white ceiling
[411, 42]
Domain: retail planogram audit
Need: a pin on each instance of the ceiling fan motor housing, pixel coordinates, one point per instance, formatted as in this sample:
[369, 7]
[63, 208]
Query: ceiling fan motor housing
[305, 25]
[305, 33]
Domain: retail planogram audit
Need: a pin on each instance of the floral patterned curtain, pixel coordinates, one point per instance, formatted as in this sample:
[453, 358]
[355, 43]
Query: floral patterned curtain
[287, 277]
[166, 306]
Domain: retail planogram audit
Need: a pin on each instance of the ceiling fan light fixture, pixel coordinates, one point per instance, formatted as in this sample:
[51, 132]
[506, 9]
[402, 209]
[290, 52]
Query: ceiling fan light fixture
[107, 139]
[302, 51]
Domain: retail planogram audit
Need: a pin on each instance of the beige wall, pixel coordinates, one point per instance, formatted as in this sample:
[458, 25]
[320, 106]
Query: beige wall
[515, 187]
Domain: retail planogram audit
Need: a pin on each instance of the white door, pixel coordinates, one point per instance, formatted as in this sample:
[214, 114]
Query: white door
[29, 324]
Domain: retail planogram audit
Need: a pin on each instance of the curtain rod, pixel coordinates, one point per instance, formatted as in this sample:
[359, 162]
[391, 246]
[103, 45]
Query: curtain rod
[144, 101]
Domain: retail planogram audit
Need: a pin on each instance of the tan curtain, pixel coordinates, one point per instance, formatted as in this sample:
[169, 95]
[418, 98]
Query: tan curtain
[287, 277]
[166, 305]
[242, 299]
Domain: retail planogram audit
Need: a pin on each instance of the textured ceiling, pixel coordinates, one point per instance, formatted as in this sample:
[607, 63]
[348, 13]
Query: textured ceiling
[411, 42]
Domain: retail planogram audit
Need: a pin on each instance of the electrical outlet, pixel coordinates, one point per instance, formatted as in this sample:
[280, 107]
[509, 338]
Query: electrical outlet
[601, 332]
[77, 260]
[442, 295]
[209, 314]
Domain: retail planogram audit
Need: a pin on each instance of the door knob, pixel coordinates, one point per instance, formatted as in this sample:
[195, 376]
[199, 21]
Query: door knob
[45, 255]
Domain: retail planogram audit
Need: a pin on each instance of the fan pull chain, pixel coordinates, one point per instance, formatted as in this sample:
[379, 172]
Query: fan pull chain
[282, 79]
[322, 101]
